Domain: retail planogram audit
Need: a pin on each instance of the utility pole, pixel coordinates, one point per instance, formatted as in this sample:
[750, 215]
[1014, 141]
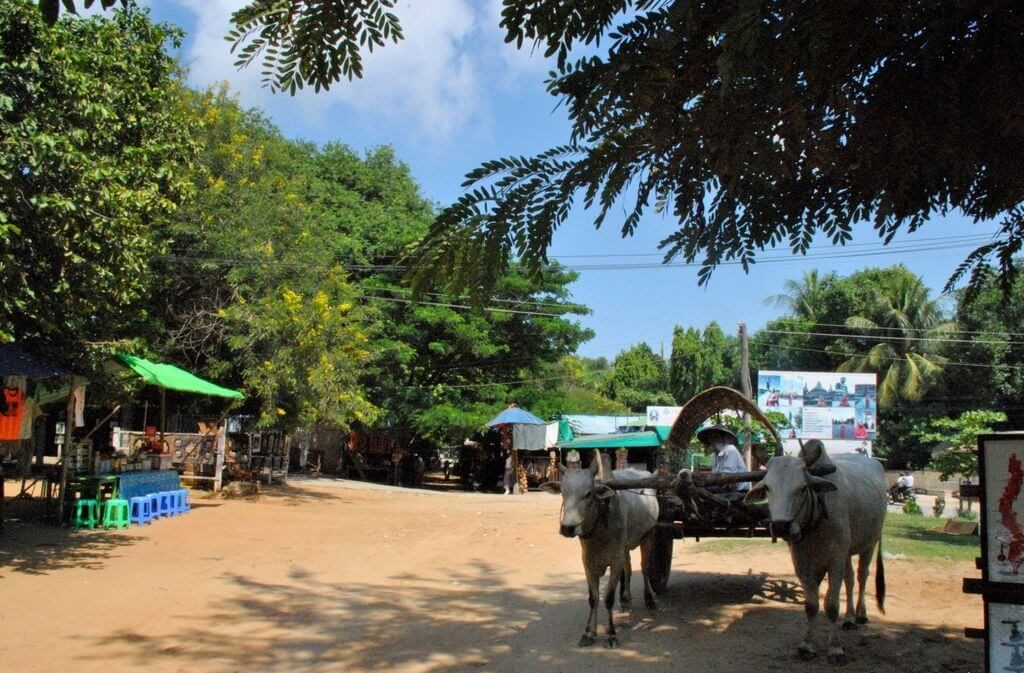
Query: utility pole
[747, 389]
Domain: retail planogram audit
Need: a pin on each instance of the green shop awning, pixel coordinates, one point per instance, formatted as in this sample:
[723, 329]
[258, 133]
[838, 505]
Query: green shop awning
[623, 440]
[175, 378]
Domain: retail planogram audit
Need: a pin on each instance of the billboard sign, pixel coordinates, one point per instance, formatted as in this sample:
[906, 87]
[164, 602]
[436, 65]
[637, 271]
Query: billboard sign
[839, 408]
[662, 415]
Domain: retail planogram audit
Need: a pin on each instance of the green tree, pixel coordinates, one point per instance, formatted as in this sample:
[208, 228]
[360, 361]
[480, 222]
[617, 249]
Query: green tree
[683, 380]
[904, 325]
[640, 378]
[751, 123]
[989, 340]
[94, 151]
[961, 433]
[804, 298]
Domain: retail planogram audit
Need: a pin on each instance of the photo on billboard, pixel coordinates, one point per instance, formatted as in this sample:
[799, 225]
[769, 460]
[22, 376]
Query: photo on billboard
[836, 406]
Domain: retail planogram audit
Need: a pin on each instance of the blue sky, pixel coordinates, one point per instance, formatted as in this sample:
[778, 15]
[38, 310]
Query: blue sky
[453, 95]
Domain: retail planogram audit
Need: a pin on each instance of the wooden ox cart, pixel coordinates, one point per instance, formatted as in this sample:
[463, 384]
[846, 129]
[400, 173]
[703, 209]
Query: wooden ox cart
[687, 507]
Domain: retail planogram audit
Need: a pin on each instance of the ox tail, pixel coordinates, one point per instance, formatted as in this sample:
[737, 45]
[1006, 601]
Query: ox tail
[880, 579]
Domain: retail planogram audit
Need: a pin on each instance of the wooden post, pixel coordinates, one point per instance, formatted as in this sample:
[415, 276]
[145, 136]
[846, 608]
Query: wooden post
[65, 451]
[747, 388]
[222, 444]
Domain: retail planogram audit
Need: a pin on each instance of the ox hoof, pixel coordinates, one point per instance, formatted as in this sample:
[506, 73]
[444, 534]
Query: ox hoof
[849, 625]
[650, 604]
[862, 620]
[613, 643]
[586, 641]
[805, 653]
[837, 659]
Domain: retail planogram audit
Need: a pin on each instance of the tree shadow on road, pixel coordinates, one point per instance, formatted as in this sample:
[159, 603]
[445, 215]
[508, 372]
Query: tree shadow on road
[479, 622]
[35, 547]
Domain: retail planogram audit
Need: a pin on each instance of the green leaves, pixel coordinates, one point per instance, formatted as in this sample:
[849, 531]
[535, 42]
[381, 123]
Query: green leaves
[94, 152]
[316, 42]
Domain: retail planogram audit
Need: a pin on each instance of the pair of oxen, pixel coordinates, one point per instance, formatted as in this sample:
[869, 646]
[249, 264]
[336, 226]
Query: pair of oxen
[827, 509]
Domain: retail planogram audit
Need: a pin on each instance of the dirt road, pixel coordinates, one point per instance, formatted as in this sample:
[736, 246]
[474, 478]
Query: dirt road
[339, 576]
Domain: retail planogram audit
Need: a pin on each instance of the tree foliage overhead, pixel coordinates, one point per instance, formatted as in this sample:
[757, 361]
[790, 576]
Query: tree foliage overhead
[94, 150]
[754, 124]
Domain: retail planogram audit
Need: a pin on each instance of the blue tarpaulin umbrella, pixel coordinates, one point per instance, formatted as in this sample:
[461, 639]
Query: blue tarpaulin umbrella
[514, 415]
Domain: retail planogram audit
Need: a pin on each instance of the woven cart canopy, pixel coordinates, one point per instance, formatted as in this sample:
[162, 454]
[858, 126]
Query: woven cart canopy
[705, 404]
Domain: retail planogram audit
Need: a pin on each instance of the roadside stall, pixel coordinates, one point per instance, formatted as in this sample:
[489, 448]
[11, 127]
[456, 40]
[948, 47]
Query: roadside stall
[522, 434]
[198, 457]
[23, 374]
[624, 449]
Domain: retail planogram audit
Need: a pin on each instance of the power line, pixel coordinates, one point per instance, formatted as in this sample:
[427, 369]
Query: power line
[879, 337]
[908, 329]
[891, 249]
[895, 359]
[490, 309]
[499, 383]
[973, 239]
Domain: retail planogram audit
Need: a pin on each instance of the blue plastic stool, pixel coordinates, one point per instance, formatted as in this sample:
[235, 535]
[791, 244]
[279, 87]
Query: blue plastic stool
[182, 503]
[167, 499]
[139, 510]
[154, 506]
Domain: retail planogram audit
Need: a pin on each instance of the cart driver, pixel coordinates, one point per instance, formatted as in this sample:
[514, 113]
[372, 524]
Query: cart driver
[727, 457]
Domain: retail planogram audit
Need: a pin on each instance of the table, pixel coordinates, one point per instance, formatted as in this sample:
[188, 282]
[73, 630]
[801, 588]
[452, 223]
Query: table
[127, 485]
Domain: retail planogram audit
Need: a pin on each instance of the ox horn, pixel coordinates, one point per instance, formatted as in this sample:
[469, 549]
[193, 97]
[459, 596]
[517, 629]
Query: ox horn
[811, 451]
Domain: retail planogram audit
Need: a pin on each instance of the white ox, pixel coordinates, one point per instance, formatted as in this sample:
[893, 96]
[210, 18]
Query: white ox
[828, 510]
[609, 524]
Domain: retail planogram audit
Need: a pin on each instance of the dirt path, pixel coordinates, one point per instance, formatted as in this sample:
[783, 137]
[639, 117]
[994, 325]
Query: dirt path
[340, 576]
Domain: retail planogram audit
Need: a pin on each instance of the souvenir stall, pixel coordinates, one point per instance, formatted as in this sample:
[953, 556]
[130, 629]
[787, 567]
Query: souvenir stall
[191, 457]
[525, 439]
[624, 449]
[255, 454]
[23, 374]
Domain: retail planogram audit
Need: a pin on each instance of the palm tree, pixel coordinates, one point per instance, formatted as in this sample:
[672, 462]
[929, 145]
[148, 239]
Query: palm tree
[905, 325]
[802, 297]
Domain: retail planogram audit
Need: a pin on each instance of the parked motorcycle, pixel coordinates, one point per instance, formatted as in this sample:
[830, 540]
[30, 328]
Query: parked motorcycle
[900, 496]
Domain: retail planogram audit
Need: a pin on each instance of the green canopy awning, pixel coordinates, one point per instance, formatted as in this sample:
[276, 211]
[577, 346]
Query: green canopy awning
[624, 440]
[175, 378]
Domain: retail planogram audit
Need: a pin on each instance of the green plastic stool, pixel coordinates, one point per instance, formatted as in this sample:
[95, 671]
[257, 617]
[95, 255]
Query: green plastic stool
[116, 513]
[86, 513]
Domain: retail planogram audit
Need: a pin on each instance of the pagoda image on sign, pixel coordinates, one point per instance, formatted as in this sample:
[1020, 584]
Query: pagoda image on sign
[1015, 641]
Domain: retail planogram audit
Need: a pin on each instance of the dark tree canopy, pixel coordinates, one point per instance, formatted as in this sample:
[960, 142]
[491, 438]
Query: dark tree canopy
[752, 123]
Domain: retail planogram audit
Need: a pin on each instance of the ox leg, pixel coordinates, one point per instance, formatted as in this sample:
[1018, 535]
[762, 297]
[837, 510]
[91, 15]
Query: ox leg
[806, 650]
[863, 570]
[646, 556]
[850, 621]
[625, 593]
[590, 634]
[836, 573]
[617, 571]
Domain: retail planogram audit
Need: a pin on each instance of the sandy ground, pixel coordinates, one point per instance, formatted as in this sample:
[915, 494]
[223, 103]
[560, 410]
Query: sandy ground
[341, 576]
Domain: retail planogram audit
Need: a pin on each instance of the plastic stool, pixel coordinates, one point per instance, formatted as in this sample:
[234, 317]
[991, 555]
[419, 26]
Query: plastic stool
[138, 510]
[184, 500]
[166, 499]
[154, 506]
[86, 513]
[115, 513]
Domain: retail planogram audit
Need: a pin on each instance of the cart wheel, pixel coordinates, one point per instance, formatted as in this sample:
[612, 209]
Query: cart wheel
[661, 559]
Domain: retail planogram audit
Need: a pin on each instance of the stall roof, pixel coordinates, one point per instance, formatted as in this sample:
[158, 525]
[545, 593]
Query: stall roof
[515, 415]
[16, 361]
[626, 440]
[174, 378]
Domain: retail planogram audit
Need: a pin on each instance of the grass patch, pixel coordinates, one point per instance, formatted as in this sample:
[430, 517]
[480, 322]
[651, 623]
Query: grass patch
[922, 537]
[911, 536]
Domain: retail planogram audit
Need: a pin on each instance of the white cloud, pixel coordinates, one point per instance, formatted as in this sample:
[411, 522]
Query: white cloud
[436, 85]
